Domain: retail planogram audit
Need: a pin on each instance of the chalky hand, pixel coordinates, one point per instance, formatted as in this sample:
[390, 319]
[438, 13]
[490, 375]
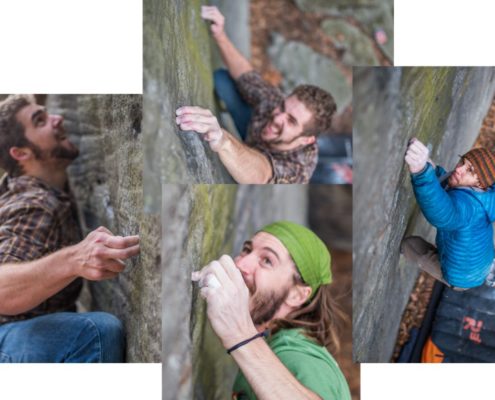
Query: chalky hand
[227, 297]
[417, 156]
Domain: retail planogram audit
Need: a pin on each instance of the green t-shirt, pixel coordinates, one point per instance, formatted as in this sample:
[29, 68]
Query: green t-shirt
[310, 363]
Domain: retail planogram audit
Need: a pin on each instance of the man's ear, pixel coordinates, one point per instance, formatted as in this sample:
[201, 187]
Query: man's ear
[20, 153]
[298, 295]
[308, 139]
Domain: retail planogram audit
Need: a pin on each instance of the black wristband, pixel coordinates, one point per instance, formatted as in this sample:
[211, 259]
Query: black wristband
[260, 334]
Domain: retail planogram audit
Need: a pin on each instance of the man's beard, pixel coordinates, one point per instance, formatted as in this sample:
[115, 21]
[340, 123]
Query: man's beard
[59, 152]
[263, 306]
[278, 140]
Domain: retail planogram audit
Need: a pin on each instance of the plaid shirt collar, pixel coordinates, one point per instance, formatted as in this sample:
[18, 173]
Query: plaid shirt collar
[23, 183]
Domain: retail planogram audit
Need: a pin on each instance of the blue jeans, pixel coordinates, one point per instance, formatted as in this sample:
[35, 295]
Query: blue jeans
[63, 337]
[226, 90]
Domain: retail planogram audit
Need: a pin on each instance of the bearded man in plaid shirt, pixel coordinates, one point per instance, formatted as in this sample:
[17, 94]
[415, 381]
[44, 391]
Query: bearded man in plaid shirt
[278, 132]
[42, 259]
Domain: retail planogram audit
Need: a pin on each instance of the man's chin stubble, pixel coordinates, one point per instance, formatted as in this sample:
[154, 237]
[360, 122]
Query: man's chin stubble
[264, 307]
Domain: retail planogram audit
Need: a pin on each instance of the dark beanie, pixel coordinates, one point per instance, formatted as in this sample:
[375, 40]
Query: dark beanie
[483, 161]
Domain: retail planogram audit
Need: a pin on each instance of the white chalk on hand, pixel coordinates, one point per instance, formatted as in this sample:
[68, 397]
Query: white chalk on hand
[209, 280]
[212, 281]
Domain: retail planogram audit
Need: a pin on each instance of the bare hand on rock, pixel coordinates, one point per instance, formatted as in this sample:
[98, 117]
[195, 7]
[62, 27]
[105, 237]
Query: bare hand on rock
[211, 13]
[99, 256]
[201, 120]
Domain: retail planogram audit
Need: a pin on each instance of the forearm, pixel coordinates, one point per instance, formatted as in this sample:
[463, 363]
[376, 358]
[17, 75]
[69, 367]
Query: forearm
[267, 376]
[235, 62]
[245, 165]
[25, 285]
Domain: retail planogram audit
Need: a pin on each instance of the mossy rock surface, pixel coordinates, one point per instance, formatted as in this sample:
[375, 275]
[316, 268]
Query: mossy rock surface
[177, 72]
[444, 108]
[200, 223]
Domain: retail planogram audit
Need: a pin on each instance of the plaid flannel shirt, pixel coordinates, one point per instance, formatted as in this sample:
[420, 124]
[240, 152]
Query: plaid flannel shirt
[36, 220]
[295, 166]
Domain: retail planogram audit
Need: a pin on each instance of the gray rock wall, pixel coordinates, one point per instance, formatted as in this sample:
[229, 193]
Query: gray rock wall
[443, 107]
[200, 223]
[177, 72]
[107, 182]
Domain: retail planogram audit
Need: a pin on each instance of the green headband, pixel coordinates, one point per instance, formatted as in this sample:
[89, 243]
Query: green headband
[310, 254]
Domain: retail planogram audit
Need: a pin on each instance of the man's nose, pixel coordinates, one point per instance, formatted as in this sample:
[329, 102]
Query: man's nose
[246, 264]
[58, 120]
[461, 170]
[279, 118]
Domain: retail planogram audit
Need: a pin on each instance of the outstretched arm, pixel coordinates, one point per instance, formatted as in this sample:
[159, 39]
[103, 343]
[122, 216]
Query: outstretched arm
[25, 285]
[227, 297]
[236, 63]
[245, 165]
[440, 209]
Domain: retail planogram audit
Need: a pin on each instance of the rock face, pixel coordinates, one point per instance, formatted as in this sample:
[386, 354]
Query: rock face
[199, 224]
[177, 72]
[107, 182]
[443, 107]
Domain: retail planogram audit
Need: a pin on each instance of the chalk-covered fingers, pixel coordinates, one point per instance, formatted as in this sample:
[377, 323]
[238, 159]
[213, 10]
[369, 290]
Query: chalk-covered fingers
[203, 121]
[211, 13]
[228, 303]
[210, 278]
[233, 272]
[417, 155]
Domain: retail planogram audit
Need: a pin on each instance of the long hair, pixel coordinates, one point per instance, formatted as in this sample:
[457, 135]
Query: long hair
[321, 319]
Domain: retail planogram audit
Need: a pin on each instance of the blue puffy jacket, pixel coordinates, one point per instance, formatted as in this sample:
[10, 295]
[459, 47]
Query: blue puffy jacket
[463, 218]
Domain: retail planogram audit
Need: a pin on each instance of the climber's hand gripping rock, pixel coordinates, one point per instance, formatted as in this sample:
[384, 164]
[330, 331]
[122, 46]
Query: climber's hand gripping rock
[227, 297]
[417, 155]
[201, 120]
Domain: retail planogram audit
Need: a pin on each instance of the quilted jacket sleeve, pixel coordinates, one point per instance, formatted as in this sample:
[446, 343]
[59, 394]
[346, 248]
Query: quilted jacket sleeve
[444, 210]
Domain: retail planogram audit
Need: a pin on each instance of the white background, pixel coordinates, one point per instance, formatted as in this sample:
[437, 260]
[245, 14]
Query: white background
[71, 46]
[95, 46]
[444, 32]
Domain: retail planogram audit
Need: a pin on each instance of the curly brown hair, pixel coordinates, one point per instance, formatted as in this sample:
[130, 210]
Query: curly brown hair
[320, 103]
[12, 131]
[321, 318]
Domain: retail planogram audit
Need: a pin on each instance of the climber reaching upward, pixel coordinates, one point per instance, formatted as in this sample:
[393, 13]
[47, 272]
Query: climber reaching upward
[461, 205]
[277, 288]
[42, 259]
[278, 133]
